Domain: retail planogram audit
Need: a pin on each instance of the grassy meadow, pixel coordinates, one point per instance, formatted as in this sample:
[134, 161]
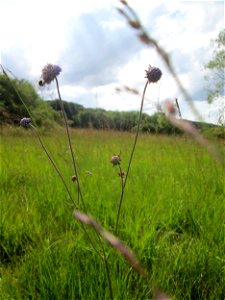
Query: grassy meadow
[172, 216]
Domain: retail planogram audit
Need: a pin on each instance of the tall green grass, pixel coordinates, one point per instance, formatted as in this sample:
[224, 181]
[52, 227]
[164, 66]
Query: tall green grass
[173, 216]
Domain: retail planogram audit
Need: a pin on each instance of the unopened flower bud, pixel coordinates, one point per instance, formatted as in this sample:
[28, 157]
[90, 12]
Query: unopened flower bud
[153, 74]
[115, 160]
[74, 178]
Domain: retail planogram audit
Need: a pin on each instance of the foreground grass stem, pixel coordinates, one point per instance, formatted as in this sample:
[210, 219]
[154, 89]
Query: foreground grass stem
[53, 163]
[63, 181]
[70, 144]
[131, 156]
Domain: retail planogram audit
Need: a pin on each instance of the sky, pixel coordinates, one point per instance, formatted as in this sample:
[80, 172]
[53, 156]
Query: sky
[101, 55]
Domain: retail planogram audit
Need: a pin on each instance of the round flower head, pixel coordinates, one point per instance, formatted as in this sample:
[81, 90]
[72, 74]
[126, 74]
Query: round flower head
[115, 160]
[153, 74]
[49, 73]
[25, 122]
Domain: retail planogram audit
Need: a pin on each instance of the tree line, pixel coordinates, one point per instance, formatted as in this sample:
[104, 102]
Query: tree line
[18, 99]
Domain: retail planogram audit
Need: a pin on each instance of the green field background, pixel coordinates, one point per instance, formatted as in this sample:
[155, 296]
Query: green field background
[172, 216]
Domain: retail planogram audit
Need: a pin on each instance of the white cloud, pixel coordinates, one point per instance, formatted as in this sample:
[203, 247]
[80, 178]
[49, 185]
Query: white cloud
[98, 51]
[212, 113]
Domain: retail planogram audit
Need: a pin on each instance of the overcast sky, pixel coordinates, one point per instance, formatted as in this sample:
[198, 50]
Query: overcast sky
[100, 54]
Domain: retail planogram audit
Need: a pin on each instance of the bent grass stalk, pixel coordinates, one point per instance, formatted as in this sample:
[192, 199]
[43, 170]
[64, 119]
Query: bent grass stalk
[147, 39]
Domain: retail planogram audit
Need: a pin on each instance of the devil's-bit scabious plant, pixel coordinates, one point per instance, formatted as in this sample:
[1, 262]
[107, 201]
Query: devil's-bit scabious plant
[25, 122]
[49, 74]
[153, 75]
[115, 160]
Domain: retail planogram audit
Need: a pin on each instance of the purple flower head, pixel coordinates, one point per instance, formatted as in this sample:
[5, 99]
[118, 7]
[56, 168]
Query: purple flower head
[25, 122]
[115, 160]
[153, 74]
[49, 73]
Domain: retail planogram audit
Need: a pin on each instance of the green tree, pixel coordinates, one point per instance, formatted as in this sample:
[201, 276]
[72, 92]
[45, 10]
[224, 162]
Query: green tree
[217, 66]
[12, 109]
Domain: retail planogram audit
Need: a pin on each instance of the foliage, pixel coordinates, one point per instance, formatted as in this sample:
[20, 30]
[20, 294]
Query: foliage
[217, 66]
[12, 109]
[47, 113]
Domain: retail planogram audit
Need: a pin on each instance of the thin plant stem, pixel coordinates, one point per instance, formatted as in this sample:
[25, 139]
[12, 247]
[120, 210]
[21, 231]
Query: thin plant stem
[108, 276]
[53, 163]
[78, 185]
[178, 107]
[131, 156]
[122, 181]
[70, 144]
[105, 258]
[63, 181]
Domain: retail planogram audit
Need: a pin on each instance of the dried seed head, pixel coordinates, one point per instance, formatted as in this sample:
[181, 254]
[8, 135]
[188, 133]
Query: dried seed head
[49, 73]
[122, 174]
[74, 178]
[115, 160]
[25, 122]
[153, 74]
[135, 24]
[144, 38]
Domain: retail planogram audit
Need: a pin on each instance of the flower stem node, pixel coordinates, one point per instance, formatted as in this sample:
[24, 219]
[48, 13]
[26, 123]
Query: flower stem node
[153, 74]
[49, 73]
[115, 160]
[122, 174]
[25, 122]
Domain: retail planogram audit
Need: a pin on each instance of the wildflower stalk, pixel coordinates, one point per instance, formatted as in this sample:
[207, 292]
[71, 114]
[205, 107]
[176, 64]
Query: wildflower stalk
[105, 258]
[63, 181]
[70, 144]
[131, 156]
[50, 73]
[122, 181]
[53, 163]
